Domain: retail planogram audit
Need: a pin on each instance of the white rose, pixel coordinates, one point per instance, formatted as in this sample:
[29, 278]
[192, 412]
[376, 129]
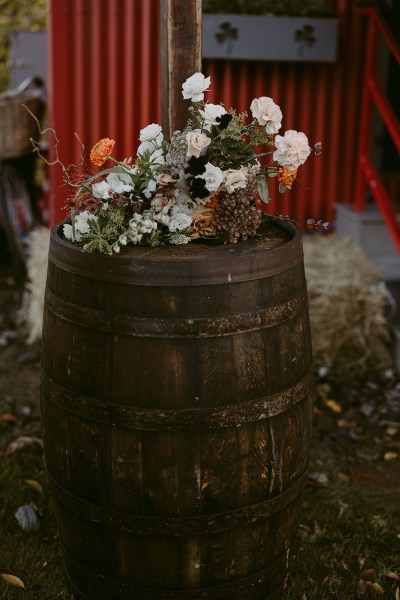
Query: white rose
[150, 188]
[146, 147]
[156, 159]
[213, 177]
[234, 179]
[267, 113]
[210, 114]
[69, 233]
[150, 133]
[179, 222]
[196, 143]
[82, 221]
[101, 190]
[120, 182]
[194, 87]
[184, 202]
[162, 218]
[292, 150]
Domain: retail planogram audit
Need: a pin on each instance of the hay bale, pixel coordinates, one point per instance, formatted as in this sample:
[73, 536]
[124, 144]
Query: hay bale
[31, 311]
[347, 301]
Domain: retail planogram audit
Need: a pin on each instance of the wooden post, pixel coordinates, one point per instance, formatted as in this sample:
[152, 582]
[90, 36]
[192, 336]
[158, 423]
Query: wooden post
[180, 58]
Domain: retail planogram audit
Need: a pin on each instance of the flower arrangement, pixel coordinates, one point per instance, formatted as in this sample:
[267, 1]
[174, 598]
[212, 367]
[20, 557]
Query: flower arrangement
[206, 182]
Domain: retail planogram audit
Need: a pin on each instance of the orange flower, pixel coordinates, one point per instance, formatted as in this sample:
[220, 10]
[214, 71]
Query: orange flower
[101, 151]
[286, 177]
[213, 201]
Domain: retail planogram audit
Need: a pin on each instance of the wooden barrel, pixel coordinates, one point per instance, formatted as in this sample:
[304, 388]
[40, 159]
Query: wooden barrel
[177, 404]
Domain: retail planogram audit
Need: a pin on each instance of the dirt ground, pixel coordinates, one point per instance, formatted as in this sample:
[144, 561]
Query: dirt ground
[348, 542]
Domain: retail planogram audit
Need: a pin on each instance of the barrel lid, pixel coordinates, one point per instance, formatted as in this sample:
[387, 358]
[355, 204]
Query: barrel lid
[195, 263]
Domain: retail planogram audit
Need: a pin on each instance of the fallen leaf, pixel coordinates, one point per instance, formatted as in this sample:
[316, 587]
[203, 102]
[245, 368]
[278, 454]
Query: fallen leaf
[362, 587]
[378, 588]
[391, 431]
[8, 418]
[397, 593]
[35, 485]
[367, 573]
[361, 561]
[390, 455]
[23, 442]
[318, 531]
[13, 580]
[392, 575]
[333, 405]
[343, 477]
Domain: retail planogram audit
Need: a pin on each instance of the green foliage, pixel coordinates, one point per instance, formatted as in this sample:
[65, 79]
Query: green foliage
[291, 8]
[105, 231]
[34, 557]
[18, 14]
[228, 144]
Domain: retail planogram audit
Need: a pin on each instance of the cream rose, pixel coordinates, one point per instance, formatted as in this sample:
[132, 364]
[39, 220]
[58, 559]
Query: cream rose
[234, 179]
[196, 143]
[292, 149]
[194, 87]
[267, 113]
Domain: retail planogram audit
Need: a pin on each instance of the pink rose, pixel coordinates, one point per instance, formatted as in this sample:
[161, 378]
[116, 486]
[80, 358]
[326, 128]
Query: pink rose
[165, 179]
[196, 143]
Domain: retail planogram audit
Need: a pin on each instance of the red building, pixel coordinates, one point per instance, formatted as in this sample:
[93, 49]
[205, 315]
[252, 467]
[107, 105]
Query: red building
[104, 82]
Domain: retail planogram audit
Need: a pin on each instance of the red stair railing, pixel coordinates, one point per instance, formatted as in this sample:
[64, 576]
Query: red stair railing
[373, 94]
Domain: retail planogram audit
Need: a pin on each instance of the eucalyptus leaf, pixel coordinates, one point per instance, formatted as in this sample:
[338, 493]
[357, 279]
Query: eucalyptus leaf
[263, 189]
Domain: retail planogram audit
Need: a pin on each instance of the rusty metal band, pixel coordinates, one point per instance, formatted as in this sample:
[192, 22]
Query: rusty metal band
[186, 419]
[247, 587]
[176, 526]
[154, 327]
[191, 264]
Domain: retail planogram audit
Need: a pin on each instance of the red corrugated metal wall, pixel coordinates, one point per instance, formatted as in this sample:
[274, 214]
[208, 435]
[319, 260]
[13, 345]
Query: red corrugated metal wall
[105, 76]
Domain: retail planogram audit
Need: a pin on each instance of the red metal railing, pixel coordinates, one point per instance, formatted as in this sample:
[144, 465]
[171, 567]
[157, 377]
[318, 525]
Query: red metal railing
[367, 174]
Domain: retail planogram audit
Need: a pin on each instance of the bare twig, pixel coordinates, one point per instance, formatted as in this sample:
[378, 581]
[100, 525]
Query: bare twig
[36, 148]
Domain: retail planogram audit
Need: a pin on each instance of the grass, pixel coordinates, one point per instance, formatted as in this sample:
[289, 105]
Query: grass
[33, 557]
[345, 545]
[348, 542]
